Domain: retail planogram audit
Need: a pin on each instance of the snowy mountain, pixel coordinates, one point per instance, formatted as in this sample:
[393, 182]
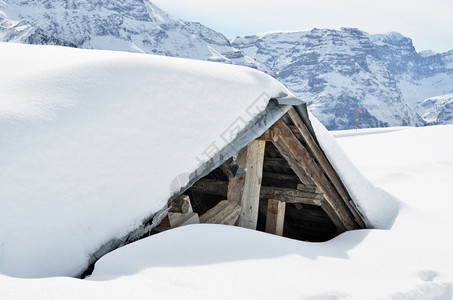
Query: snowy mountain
[437, 110]
[338, 71]
[131, 25]
[334, 71]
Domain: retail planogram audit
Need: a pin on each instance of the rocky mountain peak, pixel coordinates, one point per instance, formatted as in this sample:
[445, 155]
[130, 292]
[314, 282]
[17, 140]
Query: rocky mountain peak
[129, 25]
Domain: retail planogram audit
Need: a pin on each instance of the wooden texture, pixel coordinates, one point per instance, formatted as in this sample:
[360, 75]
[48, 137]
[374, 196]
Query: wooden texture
[236, 184]
[177, 219]
[275, 216]
[225, 212]
[252, 184]
[302, 162]
[309, 196]
[181, 205]
[276, 162]
[325, 164]
[304, 187]
[266, 136]
[276, 177]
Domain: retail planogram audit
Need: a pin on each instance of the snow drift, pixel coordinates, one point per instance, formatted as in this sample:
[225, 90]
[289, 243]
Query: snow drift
[92, 140]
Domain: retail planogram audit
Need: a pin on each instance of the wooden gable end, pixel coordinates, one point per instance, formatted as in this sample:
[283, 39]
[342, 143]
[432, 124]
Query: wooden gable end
[289, 187]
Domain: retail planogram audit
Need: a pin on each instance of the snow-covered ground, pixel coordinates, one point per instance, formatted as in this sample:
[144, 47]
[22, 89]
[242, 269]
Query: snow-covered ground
[413, 258]
[92, 140]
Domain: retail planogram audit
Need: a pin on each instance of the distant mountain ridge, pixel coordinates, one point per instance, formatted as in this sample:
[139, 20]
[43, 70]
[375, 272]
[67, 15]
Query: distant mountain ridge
[130, 25]
[334, 71]
[338, 71]
[437, 110]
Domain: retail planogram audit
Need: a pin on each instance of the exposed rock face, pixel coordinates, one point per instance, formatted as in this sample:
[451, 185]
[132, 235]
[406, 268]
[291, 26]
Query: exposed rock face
[130, 25]
[338, 71]
[437, 110]
[334, 71]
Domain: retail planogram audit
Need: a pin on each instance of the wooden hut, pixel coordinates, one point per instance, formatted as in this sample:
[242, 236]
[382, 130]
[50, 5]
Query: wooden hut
[280, 182]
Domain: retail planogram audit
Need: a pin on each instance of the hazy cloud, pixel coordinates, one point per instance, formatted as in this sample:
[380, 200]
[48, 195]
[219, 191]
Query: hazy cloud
[428, 23]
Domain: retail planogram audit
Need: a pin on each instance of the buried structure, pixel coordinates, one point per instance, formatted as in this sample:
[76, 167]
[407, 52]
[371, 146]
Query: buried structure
[281, 182]
[101, 148]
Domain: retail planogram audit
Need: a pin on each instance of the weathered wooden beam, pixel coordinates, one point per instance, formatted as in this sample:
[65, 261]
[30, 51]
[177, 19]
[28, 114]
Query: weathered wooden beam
[302, 162]
[213, 187]
[305, 187]
[294, 196]
[294, 129]
[220, 188]
[289, 181]
[277, 162]
[324, 163]
[281, 180]
[225, 212]
[266, 136]
[173, 220]
[252, 185]
[275, 216]
[179, 214]
[236, 184]
[276, 177]
[181, 205]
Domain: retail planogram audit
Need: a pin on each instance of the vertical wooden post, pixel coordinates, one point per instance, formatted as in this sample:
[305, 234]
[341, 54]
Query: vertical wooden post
[252, 184]
[275, 216]
[236, 184]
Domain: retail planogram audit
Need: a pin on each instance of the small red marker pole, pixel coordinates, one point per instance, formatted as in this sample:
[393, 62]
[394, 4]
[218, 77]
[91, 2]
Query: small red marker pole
[357, 119]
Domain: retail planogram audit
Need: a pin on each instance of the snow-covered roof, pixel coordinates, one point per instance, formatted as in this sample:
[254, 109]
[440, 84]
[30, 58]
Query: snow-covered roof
[92, 140]
[95, 143]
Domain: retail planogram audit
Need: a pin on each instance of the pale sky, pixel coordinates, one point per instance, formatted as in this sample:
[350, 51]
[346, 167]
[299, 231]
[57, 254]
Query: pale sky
[429, 23]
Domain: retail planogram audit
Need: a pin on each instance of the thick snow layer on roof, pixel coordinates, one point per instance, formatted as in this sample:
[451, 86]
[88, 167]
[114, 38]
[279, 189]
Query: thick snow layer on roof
[91, 141]
[378, 208]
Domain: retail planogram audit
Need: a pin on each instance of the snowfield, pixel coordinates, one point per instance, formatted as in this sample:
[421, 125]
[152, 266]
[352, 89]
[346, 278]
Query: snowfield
[92, 140]
[412, 260]
[64, 121]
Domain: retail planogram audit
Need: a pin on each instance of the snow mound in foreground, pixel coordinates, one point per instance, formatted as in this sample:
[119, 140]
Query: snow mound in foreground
[91, 142]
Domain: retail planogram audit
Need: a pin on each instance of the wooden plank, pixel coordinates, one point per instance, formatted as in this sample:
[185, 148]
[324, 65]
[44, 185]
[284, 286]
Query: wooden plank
[302, 162]
[276, 177]
[181, 205]
[173, 220]
[213, 187]
[304, 187]
[236, 184]
[220, 188]
[225, 212]
[177, 219]
[294, 129]
[295, 196]
[266, 136]
[275, 217]
[276, 162]
[252, 184]
[324, 163]
[165, 222]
